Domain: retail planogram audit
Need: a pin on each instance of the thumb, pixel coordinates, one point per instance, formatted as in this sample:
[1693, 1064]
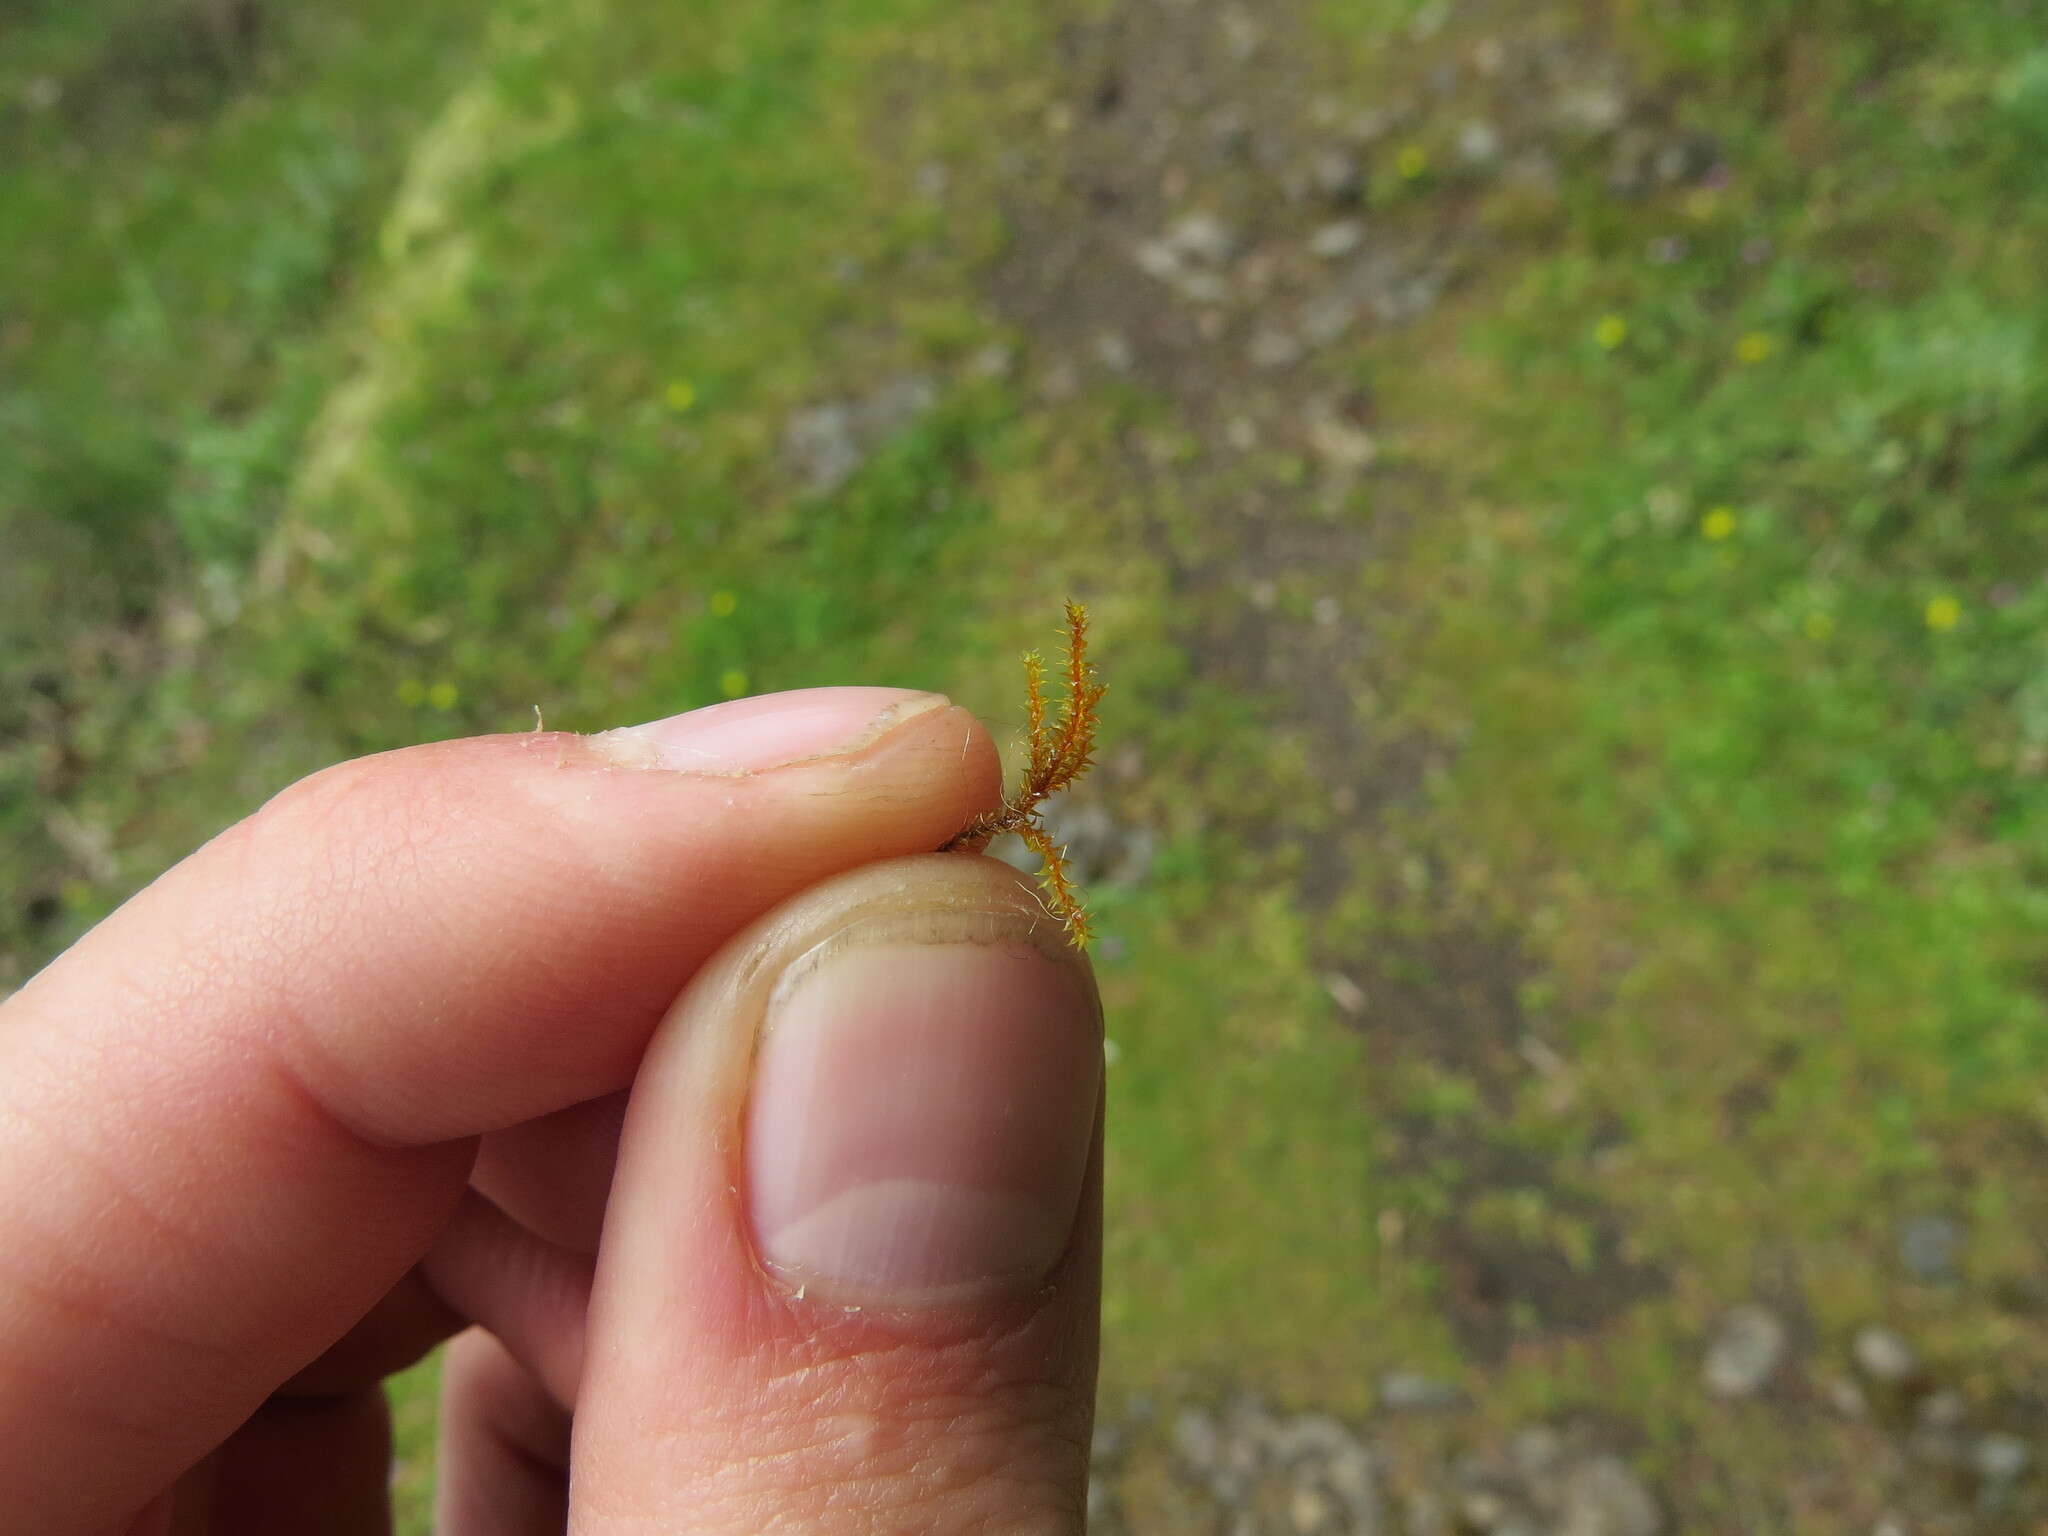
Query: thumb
[850, 1273]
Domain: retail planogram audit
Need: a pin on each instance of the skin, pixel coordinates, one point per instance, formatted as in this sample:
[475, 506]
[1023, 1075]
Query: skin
[451, 1043]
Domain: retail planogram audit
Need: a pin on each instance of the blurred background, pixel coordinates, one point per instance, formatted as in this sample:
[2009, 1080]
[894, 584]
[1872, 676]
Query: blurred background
[1563, 490]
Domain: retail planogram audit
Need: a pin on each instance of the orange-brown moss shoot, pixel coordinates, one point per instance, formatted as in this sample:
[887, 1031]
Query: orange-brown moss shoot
[1059, 753]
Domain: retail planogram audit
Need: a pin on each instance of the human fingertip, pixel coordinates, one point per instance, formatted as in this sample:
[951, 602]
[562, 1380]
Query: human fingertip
[922, 1110]
[771, 730]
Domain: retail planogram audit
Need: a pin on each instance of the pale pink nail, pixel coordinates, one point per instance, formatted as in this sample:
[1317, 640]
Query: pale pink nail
[748, 735]
[921, 1120]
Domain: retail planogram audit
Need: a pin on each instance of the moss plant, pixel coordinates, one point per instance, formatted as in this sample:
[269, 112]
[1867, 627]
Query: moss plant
[1059, 753]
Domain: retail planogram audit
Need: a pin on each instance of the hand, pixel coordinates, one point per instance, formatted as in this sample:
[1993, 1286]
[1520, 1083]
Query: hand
[794, 1230]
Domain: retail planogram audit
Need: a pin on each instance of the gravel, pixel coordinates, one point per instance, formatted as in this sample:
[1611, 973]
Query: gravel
[1245, 1468]
[1884, 1356]
[1337, 175]
[1201, 238]
[1271, 349]
[824, 446]
[1604, 1497]
[1410, 1392]
[1744, 1353]
[2001, 1458]
[1113, 351]
[1479, 144]
[1335, 241]
[1929, 1247]
[1327, 317]
[820, 447]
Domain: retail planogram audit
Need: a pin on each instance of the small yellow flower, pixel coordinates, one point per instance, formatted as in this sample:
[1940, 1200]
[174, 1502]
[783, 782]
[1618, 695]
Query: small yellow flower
[1611, 332]
[732, 682]
[1702, 203]
[723, 604]
[1718, 524]
[1755, 348]
[1412, 162]
[1819, 626]
[1944, 613]
[681, 395]
[443, 696]
[412, 693]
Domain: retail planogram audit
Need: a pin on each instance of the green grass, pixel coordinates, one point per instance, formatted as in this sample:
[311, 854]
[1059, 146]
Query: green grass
[1740, 633]
[183, 221]
[1781, 558]
[434, 365]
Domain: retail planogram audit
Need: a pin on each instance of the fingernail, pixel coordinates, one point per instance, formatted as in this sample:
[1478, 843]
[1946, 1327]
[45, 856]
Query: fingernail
[921, 1119]
[772, 731]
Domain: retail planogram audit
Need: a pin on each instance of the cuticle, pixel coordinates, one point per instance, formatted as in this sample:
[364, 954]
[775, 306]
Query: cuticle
[1010, 928]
